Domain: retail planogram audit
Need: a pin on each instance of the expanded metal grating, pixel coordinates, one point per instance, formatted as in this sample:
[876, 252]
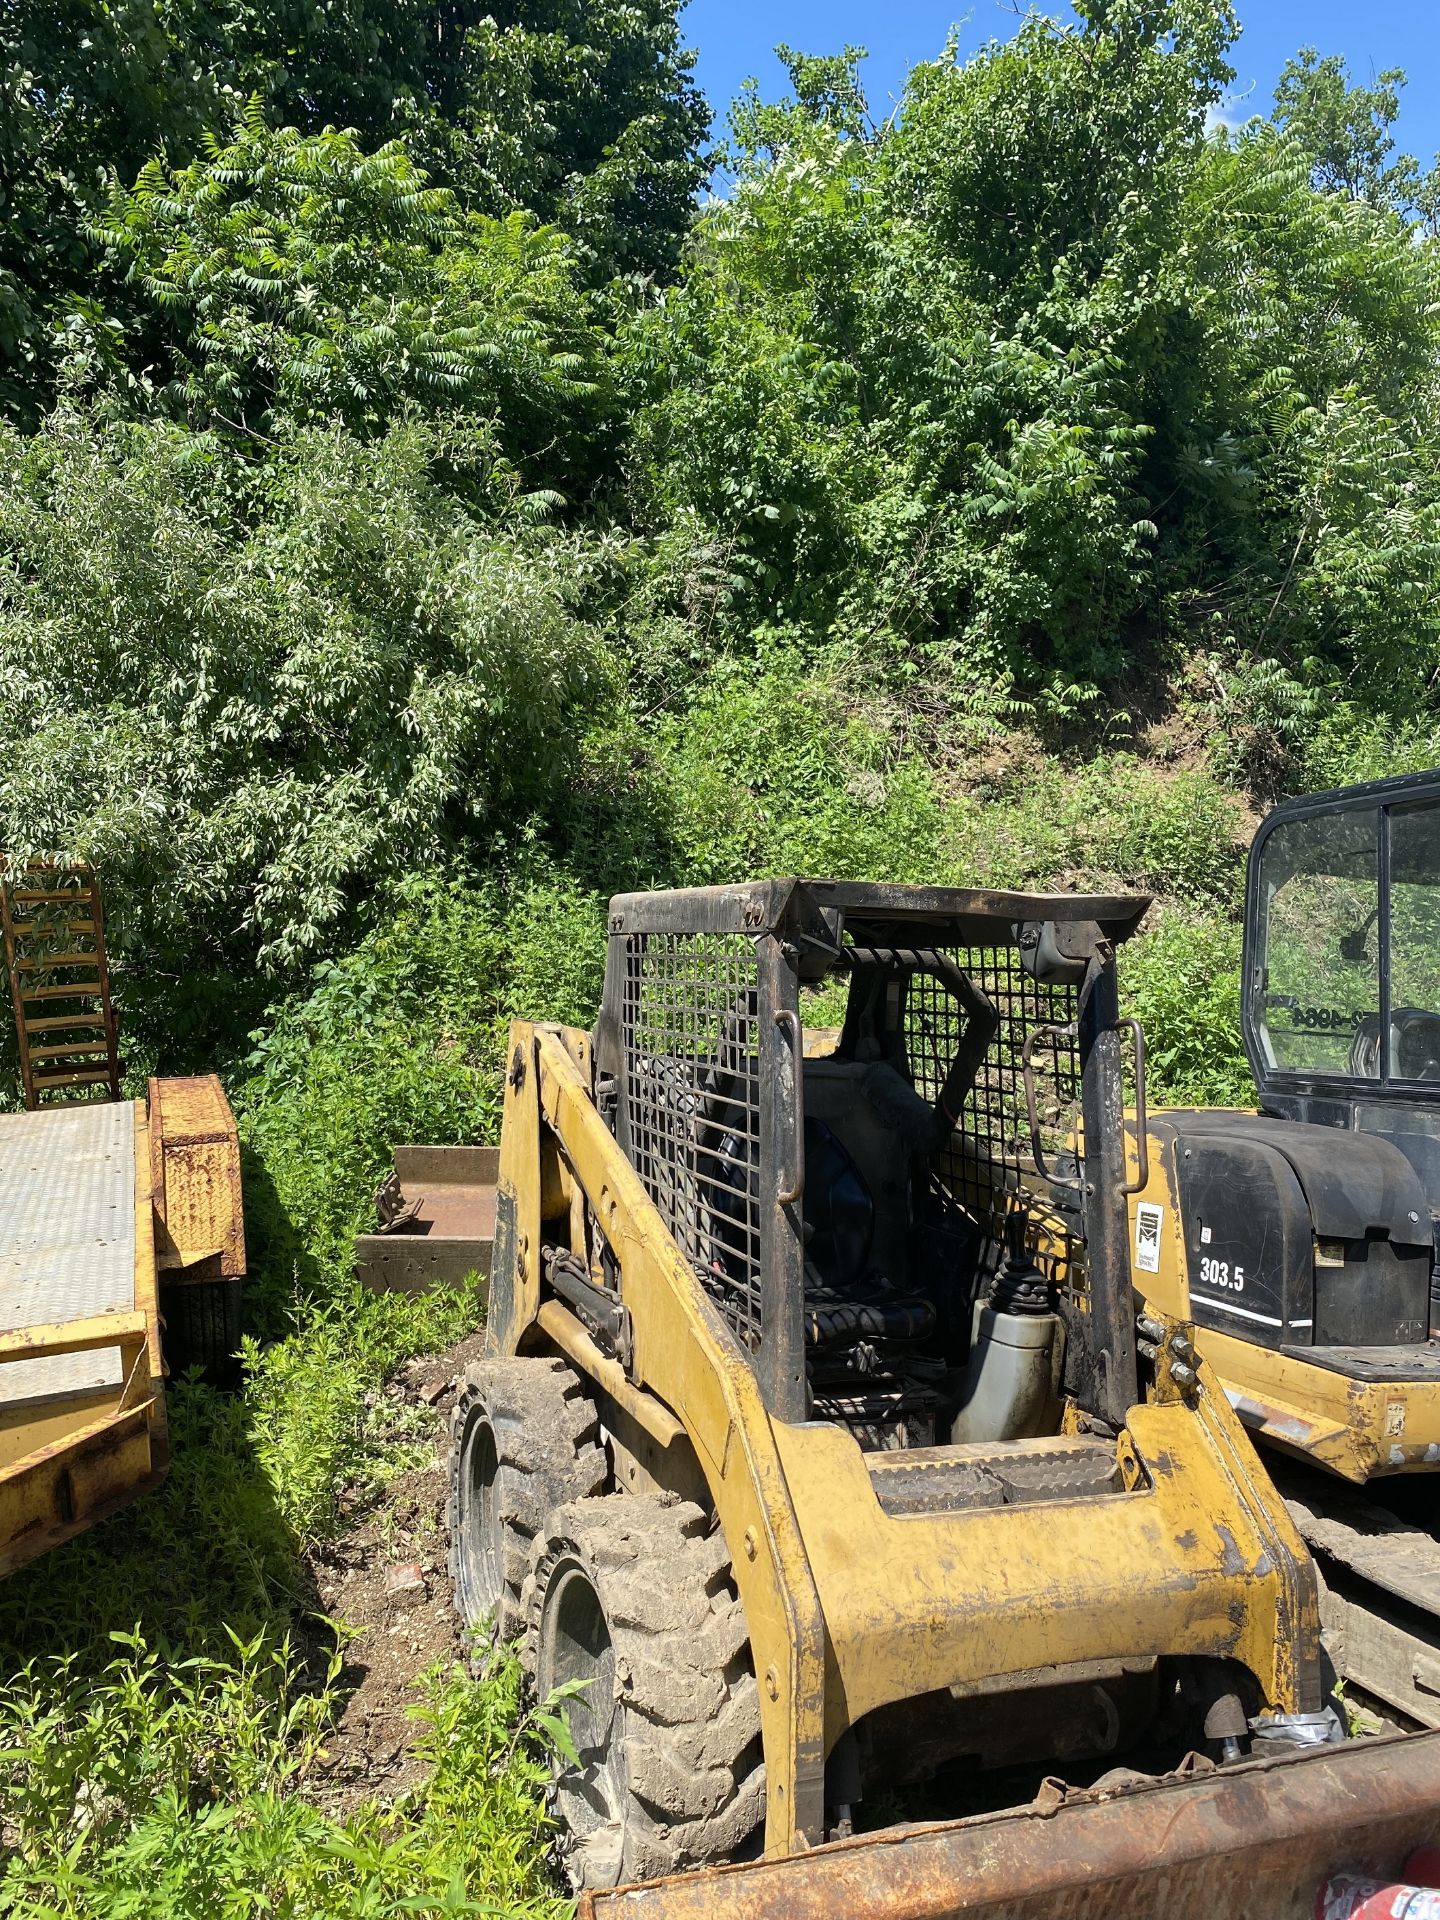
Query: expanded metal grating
[990, 1150]
[692, 1104]
[67, 1238]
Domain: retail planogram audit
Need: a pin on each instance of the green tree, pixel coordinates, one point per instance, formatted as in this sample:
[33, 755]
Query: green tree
[253, 691]
[583, 111]
[1043, 383]
[914, 376]
[298, 276]
[1346, 129]
[585, 115]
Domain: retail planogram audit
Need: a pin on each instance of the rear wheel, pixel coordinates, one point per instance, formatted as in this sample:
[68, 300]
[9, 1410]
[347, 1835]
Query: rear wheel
[200, 1320]
[630, 1600]
[524, 1438]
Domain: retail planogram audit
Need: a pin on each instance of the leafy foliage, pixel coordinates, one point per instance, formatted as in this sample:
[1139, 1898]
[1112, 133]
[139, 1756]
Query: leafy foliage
[1019, 384]
[1346, 130]
[177, 1786]
[251, 694]
[582, 114]
[1181, 979]
[300, 278]
[402, 1038]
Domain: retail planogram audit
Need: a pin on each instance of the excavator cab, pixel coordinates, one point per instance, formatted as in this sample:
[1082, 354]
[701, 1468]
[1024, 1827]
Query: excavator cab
[1301, 1237]
[1341, 1020]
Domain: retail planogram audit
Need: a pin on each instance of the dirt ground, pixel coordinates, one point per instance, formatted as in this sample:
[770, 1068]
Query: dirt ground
[388, 1577]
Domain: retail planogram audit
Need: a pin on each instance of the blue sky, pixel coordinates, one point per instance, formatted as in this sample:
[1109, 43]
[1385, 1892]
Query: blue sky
[734, 39]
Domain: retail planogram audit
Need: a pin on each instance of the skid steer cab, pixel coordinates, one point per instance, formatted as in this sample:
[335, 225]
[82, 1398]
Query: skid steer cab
[823, 1451]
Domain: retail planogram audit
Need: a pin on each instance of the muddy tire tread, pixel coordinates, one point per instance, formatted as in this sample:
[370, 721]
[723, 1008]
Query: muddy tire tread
[692, 1739]
[548, 1451]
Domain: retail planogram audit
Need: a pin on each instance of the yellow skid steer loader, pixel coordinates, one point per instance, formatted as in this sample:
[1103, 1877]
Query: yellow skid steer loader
[820, 1459]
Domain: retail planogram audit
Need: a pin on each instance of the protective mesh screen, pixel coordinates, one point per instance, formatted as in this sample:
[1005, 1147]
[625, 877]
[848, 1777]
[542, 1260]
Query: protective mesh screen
[990, 1150]
[692, 1093]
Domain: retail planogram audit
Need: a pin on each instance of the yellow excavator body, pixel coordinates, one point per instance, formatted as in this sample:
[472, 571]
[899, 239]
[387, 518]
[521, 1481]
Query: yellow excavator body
[1300, 1237]
[1357, 1429]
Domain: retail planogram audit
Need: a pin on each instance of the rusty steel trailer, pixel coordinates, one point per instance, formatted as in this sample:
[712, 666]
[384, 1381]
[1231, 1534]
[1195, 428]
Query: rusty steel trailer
[102, 1206]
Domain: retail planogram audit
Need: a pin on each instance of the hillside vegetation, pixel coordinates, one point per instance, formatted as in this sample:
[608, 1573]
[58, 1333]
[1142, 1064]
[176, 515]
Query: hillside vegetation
[422, 515]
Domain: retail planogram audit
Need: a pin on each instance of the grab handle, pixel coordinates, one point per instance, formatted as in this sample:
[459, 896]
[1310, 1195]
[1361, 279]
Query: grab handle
[789, 1023]
[1142, 1137]
[1032, 1108]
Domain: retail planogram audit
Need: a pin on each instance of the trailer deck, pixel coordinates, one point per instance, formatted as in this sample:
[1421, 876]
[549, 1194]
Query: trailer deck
[82, 1407]
[67, 1239]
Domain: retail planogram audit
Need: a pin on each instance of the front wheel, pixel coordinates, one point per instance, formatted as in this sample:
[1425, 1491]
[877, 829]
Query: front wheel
[631, 1609]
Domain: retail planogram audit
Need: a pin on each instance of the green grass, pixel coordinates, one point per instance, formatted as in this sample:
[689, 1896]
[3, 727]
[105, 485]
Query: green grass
[165, 1785]
[173, 1686]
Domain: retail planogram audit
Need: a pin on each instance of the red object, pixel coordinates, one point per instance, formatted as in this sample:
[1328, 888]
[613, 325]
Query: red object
[1353, 1896]
[410, 1579]
[1423, 1866]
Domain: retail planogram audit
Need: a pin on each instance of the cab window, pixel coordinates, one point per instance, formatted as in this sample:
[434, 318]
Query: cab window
[1415, 944]
[1319, 986]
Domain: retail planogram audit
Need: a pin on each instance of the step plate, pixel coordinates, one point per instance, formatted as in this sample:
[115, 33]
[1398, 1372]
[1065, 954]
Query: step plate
[1009, 1474]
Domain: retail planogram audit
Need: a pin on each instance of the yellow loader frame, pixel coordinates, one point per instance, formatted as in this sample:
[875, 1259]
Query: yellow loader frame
[849, 1608]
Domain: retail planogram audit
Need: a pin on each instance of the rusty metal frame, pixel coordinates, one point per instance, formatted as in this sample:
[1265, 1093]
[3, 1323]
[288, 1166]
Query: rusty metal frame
[1258, 1839]
[56, 1066]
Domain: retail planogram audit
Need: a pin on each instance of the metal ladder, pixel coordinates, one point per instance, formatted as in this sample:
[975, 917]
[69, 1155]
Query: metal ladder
[54, 932]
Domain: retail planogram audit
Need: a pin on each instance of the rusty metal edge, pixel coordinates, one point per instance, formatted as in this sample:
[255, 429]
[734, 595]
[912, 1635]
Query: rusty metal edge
[1267, 1832]
[448, 1166]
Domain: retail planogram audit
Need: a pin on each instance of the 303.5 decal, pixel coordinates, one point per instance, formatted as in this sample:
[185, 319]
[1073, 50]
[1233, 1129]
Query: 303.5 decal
[1221, 1274]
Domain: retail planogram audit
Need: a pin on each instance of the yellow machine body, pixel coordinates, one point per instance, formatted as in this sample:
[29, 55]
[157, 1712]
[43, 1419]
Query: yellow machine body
[97, 1202]
[849, 1608]
[1146, 1561]
[1359, 1430]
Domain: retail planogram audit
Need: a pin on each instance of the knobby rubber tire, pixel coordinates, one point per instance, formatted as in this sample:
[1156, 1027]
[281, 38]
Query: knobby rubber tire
[544, 1450]
[672, 1774]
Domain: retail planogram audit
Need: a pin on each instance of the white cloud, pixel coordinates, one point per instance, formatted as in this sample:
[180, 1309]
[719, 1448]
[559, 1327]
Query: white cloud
[1225, 112]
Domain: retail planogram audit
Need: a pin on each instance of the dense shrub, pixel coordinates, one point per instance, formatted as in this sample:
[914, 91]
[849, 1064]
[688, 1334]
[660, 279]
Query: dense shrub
[250, 693]
[159, 1787]
[401, 1040]
[1181, 979]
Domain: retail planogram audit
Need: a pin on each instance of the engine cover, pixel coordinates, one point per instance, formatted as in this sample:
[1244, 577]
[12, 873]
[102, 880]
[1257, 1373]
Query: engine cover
[1300, 1235]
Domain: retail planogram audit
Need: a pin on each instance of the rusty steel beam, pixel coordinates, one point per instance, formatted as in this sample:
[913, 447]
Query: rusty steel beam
[1252, 1843]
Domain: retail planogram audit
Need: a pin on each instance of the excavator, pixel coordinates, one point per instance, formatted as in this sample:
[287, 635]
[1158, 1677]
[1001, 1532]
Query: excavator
[889, 1551]
[1300, 1239]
